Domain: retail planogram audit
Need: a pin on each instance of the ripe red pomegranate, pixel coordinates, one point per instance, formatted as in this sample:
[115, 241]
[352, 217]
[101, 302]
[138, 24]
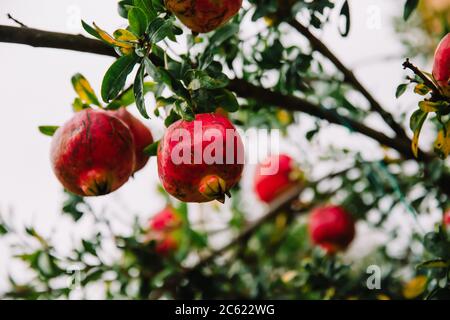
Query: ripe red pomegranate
[447, 218]
[332, 228]
[200, 160]
[93, 153]
[441, 67]
[270, 183]
[164, 229]
[203, 15]
[142, 136]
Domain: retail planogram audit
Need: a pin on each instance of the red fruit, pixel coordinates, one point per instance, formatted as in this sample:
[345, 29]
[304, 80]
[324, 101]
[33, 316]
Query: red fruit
[203, 15]
[164, 229]
[270, 183]
[441, 67]
[93, 153]
[200, 160]
[141, 134]
[332, 228]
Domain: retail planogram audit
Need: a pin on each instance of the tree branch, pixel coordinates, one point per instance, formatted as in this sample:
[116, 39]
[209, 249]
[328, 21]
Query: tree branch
[349, 77]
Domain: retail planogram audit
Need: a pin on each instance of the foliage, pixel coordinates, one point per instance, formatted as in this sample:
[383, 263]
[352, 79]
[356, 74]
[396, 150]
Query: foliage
[275, 260]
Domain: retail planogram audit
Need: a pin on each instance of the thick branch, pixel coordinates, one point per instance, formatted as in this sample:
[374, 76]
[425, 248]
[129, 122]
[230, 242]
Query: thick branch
[40, 38]
[349, 77]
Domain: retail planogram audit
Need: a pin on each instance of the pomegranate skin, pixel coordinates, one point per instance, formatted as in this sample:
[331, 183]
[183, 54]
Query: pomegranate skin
[203, 15]
[441, 66]
[200, 181]
[332, 228]
[164, 229]
[269, 186]
[142, 136]
[93, 153]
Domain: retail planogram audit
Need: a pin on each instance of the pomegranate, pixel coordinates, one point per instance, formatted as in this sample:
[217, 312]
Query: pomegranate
[203, 15]
[142, 136]
[447, 218]
[332, 228]
[441, 67]
[164, 229]
[267, 184]
[200, 160]
[92, 154]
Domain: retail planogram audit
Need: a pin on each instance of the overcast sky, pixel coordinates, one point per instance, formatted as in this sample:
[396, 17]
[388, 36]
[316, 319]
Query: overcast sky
[36, 90]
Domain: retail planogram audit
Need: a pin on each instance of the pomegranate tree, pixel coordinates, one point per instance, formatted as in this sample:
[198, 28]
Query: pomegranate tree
[203, 15]
[275, 175]
[164, 229]
[332, 228]
[200, 160]
[441, 66]
[93, 153]
[142, 136]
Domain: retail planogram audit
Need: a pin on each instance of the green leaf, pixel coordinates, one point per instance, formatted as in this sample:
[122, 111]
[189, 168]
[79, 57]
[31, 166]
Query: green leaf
[116, 76]
[345, 11]
[138, 21]
[123, 7]
[421, 89]
[409, 8]
[400, 90]
[162, 75]
[48, 130]
[152, 149]
[416, 122]
[138, 88]
[84, 90]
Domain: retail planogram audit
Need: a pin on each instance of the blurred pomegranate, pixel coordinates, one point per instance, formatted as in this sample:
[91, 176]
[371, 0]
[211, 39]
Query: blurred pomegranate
[93, 153]
[332, 228]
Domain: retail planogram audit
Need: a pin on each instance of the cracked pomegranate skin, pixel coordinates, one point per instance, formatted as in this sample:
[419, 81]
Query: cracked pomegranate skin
[93, 153]
[268, 187]
[441, 66]
[332, 228]
[203, 15]
[184, 181]
[142, 136]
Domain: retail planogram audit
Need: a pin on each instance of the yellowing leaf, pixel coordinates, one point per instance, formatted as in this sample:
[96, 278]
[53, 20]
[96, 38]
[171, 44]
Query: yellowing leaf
[110, 40]
[124, 35]
[421, 89]
[415, 287]
[442, 143]
[84, 90]
[382, 296]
